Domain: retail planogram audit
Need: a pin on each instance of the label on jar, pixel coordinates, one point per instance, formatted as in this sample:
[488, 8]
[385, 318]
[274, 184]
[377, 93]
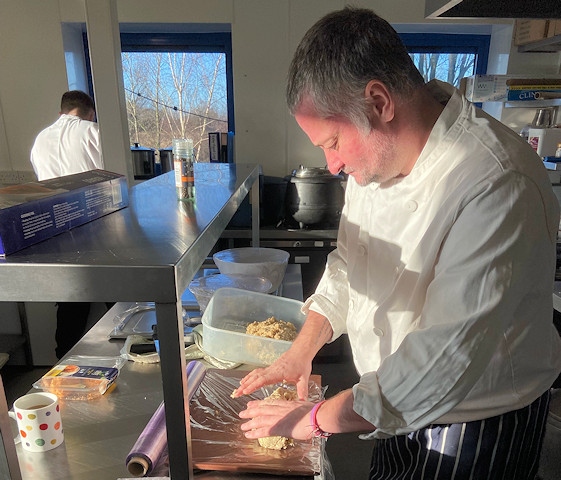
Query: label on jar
[184, 178]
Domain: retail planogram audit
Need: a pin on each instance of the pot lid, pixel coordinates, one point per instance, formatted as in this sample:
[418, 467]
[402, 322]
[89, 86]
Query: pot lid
[138, 148]
[309, 172]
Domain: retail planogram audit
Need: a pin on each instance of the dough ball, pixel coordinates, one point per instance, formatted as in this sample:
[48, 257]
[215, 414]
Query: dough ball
[278, 442]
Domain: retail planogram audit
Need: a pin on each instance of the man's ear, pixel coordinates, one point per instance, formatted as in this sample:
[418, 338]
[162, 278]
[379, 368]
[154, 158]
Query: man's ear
[381, 101]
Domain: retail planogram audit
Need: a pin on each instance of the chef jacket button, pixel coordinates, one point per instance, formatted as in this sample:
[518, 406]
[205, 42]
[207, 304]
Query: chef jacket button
[351, 304]
[378, 332]
[362, 250]
[411, 205]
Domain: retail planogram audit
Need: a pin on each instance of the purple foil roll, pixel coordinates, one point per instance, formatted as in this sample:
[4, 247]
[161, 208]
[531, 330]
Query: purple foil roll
[151, 445]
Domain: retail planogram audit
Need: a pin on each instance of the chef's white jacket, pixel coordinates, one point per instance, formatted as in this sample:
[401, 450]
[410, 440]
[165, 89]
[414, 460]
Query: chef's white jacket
[443, 279]
[70, 145]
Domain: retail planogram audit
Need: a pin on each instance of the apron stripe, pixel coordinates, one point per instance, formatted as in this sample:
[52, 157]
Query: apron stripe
[504, 447]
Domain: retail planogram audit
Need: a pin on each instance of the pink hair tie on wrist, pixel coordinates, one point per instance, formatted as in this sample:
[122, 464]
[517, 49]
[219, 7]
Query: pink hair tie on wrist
[317, 431]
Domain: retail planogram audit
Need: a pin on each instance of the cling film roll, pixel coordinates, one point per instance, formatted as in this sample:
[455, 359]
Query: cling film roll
[149, 453]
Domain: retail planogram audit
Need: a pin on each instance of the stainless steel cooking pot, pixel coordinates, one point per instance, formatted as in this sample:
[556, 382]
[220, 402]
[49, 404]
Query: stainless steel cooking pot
[143, 162]
[166, 159]
[314, 197]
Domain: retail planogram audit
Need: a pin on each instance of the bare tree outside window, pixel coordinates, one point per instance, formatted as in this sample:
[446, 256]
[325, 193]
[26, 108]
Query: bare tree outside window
[448, 67]
[175, 95]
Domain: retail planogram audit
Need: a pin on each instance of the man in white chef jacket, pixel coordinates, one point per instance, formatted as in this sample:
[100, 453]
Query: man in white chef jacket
[443, 273]
[70, 145]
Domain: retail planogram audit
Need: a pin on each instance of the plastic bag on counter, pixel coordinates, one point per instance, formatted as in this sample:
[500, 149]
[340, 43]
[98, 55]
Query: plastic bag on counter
[128, 354]
[81, 377]
[140, 317]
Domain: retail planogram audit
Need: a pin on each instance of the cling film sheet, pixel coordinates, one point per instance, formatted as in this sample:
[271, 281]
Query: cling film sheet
[216, 437]
[219, 444]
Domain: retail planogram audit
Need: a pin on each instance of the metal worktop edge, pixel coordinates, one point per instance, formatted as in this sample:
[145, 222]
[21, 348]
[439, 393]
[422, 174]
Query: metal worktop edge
[148, 251]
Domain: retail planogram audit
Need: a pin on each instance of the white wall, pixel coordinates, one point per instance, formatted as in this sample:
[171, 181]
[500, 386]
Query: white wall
[32, 77]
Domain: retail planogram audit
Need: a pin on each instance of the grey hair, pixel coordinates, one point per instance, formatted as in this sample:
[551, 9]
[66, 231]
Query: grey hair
[337, 58]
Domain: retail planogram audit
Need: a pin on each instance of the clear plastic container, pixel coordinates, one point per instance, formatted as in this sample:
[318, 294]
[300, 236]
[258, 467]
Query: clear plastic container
[204, 287]
[226, 318]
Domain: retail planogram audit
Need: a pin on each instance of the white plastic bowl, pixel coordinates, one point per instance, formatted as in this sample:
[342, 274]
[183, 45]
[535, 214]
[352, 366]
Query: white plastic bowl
[269, 263]
[204, 287]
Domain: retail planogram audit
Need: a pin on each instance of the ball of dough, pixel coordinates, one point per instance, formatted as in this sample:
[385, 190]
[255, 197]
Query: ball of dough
[278, 442]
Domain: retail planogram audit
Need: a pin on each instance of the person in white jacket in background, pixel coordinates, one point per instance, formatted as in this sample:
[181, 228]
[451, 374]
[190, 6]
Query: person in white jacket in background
[443, 273]
[70, 145]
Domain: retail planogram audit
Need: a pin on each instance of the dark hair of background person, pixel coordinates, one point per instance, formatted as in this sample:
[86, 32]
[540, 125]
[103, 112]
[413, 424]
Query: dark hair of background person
[77, 99]
[337, 58]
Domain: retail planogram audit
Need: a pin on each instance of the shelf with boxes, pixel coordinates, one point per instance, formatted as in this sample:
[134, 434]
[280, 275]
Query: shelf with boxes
[544, 45]
[537, 35]
[516, 89]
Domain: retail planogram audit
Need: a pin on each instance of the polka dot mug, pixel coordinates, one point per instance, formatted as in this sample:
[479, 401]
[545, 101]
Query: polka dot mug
[39, 423]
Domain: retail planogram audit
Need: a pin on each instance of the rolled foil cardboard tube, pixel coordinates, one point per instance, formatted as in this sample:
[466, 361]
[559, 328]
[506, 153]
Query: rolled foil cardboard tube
[138, 466]
[152, 442]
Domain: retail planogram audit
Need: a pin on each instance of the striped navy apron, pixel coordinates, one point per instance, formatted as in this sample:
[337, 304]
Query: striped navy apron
[505, 447]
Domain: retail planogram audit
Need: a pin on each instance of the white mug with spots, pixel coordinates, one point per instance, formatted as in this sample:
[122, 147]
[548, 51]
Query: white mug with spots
[38, 419]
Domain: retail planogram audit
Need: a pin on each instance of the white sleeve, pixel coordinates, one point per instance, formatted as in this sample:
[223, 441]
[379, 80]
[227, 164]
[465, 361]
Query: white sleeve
[331, 297]
[93, 147]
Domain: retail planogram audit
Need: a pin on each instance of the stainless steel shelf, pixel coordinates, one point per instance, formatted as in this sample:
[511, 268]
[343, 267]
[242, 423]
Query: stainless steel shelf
[148, 251]
[280, 234]
[546, 45]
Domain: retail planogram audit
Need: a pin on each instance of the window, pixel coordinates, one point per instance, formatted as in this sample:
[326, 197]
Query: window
[177, 85]
[448, 57]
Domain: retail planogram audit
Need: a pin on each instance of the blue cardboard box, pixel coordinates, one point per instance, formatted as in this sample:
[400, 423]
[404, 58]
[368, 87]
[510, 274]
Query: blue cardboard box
[533, 93]
[35, 211]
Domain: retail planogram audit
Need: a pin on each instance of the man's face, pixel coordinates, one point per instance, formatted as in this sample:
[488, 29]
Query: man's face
[368, 157]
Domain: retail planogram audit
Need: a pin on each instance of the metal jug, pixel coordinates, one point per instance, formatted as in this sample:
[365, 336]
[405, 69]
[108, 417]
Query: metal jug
[544, 117]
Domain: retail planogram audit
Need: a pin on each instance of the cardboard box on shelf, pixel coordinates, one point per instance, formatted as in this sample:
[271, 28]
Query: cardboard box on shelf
[533, 92]
[530, 30]
[557, 26]
[35, 211]
[519, 89]
[484, 88]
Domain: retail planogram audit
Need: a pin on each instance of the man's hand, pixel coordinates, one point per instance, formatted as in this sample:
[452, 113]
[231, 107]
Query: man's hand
[277, 417]
[288, 368]
[295, 365]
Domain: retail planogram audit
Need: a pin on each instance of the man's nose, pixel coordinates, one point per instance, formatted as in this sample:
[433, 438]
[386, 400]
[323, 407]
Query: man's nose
[334, 163]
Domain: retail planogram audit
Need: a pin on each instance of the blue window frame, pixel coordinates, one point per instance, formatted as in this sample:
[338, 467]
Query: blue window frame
[474, 46]
[214, 42]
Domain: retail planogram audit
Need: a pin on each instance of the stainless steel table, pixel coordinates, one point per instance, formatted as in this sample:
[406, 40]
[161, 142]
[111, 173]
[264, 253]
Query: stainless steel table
[149, 251]
[100, 433]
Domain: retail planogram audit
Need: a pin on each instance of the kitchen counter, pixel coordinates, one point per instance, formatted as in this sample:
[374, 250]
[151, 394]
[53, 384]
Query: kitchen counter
[149, 251]
[100, 433]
